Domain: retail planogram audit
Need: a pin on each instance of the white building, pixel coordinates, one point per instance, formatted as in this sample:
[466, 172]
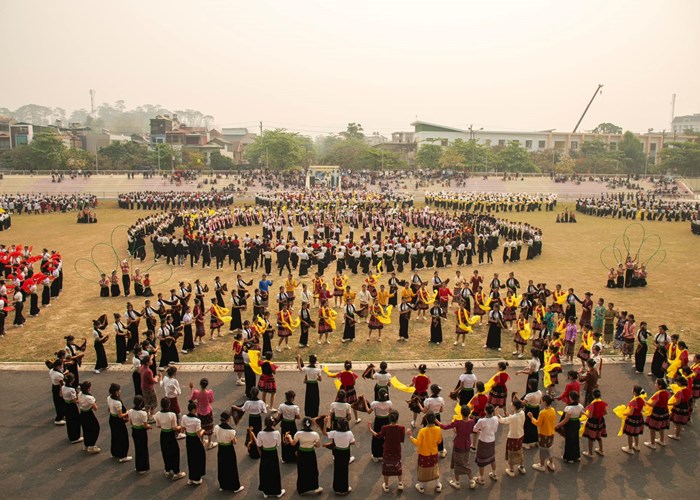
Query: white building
[683, 124]
[441, 135]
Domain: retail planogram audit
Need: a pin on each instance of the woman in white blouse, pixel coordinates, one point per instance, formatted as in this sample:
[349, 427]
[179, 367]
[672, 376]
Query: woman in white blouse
[307, 466]
[381, 408]
[382, 380]
[255, 409]
[268, 440]
[166, 420]
[227, 467]
[288, 412]
[117, 424]
[342, 439]
[139, 427]
[88, 420]
[571, 423]
[196, 457]
[486, 427]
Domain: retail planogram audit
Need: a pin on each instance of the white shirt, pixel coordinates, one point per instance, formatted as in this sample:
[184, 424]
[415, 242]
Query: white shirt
[307, 439]
[487, 427]
[516, 424]
[533, 398]
[68, 393]
[171, 387]
[224, 435]
[267, 439]
[137, 417]
[574, 411]
[381, 408]
[342, 439]
[254, 407]
[382, 379]
[434, 404]
[468, 380]
[311, 372]
[191, 424]
[289, 412]
[340, 410]
[166, 420]
[85, 401]
[56, 377]
[114, 405]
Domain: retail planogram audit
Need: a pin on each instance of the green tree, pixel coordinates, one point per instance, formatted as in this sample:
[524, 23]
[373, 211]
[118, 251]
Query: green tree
[124, 156]
[78, 159]
[47, 151]
[452, 157]
[682, 158]
[428, 156]
[279, 149]
[354, 131]
[352, 153]
[380, 158]
[546, 160]
[193, 159]
[515, 158]
[632, 151]
[565, 165]
[607, 128]
[19, 158]
[162, 156]
[221, 162]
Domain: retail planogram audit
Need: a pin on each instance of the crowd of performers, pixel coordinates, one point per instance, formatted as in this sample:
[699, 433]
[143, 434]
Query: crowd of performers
[637, 206]
[5, 220]
[492, 202]
[329, 199]
[21, 285]
[631, 274]
[273, 435]
[174, 200]
[46, 203]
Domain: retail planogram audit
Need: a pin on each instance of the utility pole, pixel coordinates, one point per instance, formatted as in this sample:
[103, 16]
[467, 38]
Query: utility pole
[600, 86]
[267, 151]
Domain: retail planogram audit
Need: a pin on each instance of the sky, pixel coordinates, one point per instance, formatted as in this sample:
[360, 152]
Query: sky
[313, 66]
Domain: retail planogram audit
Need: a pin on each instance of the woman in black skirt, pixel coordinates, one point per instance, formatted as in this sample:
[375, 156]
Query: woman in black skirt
[307, 466]
[70, 398]
[381, 407]
[342, 439]
[117, 424]
[227, 467]
[634, 421]
[139, 427]
[97, 326]
[196, 456]
[167, 421]
[120, 338]
[33, 302]
[88, 420]
[255, 409]
[237, 305]
[569, 427]
[46, 292]
[532, 401]
[268, 440]
[187, 338]
[312, 376]
[436, 325]
[114, 284]
[288, 412]
[493, 338]
[104, 286]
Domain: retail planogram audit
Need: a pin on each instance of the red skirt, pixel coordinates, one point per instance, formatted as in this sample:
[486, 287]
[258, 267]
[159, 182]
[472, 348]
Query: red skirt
[583, 354]
[267, 384]
[658, 420]
[374, 323]
[634, 425]
[518, 339]
[680, 413]
[323, 326]
[595, 428]
[498, 395]
[509, 314]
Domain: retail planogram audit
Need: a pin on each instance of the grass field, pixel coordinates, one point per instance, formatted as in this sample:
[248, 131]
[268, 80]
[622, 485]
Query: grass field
[571, 257]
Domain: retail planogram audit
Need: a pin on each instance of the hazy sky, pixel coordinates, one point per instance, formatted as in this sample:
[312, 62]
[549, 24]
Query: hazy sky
[313, 66]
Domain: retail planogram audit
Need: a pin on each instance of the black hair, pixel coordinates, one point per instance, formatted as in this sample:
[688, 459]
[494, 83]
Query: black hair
[348, 365]
[547, 399]
[85, 387]
[468, 367]
[383, 395]
[393, 416]
[574, 397]
[114, 389]
[422, 368]
[480, 387]
[341, 396]
[253, 393]
[382, 367]
[517, 404]
[343, 425]
[489, 408]
[435, 389]
[290, 395]
[430, 418]
[596, 393]
[204, 383]
[306, 424]
[164, 405]
[191, 407]
[224, 416]
[312, 360]
[138, 402]
[502, 365]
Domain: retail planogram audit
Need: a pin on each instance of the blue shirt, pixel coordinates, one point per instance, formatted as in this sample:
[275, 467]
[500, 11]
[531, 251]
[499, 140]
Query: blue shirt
[264, 285]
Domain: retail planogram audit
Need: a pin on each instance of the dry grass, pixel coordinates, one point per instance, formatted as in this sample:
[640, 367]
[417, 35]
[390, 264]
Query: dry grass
[571, 257]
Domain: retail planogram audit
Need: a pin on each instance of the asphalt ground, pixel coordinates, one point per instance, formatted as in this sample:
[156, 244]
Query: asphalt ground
[36, 460]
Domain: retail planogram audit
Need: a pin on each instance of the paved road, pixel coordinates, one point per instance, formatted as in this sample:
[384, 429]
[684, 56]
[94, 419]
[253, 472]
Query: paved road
[36, 460]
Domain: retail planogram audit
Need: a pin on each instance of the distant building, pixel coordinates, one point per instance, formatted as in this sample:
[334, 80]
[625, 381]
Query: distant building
[687, 123]
[160, 126]
[441, 135]
[237, 140]
[375, 139]
[14, 134]
[403, 145]
[97, 139]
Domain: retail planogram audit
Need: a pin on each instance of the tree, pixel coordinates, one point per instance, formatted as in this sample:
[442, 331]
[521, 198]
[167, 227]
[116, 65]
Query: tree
[380, 158]
[193, 159]
[19, 158]
[682, 158]
[428, 156]
[354, 131]
[78, 159]
[47, 151]
[632, 151]
[565, 165]
[279, 149]
[352, 153]
[546, 160]
[34, 114]
[607, 128]
[515, 158]
[452, 158]
[221, 162]
[162, 156]
[124, 156]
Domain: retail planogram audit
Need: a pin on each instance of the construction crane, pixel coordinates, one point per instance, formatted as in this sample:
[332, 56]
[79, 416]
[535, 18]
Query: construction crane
[600, 86]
